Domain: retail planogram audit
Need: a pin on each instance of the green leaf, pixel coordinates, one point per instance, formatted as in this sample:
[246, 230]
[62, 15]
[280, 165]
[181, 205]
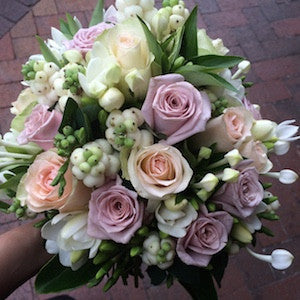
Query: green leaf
[73, 26]
[12, 183]
[219, 263]
[47, 53]
[213, 62]
[153, 44]
[204, 290]
[64, 28]
[97, 16]
[197, 281]
[54, 277]
[177, 45]
[4, 207]
[69, 113]
[18, 122]
[190, 42]
[197, 77]
[156, 275]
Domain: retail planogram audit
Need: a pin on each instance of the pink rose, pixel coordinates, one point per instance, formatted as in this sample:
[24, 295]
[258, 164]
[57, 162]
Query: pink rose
[205, 237]
[41, 127]
[229, 130]
[257, 152]
[84, 39]
[115, 213]
[158, 170]
[41, 196]
[175, 108]
[242, 197]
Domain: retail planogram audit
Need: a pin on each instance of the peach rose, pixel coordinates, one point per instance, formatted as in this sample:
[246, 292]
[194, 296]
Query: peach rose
[41, 196]
[256, 151]
[158, 170]
[229, 130]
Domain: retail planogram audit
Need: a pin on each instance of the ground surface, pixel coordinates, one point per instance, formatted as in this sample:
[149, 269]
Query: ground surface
[265, 31]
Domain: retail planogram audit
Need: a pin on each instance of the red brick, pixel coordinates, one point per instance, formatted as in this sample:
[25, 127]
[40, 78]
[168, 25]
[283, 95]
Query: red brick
[227, 35]
[240, 293]
[10, 71]
[5, 117]
[287, 289]
[235, 4]
[45, 8]
[9, 93]
[75, 5]
[277, 68]
[269, 91]
[5, 25]
[24, 290]
[5, 43]
[287, 27]
[25, 27]
[44, 23]
[225, 19]
[25, 47]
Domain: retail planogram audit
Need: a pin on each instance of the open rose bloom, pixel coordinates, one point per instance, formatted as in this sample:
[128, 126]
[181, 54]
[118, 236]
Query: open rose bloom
[135, 144]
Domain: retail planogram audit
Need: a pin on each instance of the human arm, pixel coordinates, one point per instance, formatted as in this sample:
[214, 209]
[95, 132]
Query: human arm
[22, 254]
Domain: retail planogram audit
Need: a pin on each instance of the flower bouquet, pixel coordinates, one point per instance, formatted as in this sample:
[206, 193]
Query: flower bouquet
[135, 142]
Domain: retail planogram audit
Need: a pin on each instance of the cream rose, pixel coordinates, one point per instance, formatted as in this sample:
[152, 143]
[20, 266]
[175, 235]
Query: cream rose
[127, 43]
[25, 98]
[157, 171]
[229, 130]
[37, 193]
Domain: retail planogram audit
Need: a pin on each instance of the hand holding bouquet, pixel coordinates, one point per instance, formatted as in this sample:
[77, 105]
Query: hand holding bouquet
[135, 141]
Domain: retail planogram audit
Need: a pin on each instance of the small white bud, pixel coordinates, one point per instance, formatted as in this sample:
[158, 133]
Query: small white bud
[77, 157]
[135, 114]
[73, 56]
[176, 21]
[112, 99]
[233, 157]
[94, 181]
[280, 259]
[230, 175]
[78, 173]
[120, 5]
[41, 77]
[284, 176]
[178, 10]
[209, 182]
[263, 130]
[243, 68]
[147, 4]
[152, 244]
[50, 68]
[147, 138]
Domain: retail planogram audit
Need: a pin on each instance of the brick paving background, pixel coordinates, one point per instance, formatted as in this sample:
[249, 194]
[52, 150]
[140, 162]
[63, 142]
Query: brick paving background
[265, 31]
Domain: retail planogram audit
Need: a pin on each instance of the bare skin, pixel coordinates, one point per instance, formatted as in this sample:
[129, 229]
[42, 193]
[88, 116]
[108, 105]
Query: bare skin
[22, 254]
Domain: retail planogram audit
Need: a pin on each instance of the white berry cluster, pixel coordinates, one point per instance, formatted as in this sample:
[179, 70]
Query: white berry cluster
[42, 83]
[129, 8]
[95, 162]
[157, 251]
[169, 18]
[123, 129]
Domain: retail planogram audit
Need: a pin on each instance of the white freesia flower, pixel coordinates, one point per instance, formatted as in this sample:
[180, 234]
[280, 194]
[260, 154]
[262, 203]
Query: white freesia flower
[284, 176]
[67, 236]
[103, 71]
[280, 259]
[175, 223]
[208, 182]
[234, 98]
[263, 130]
[252, 222]
[285, 133]
[243, 68]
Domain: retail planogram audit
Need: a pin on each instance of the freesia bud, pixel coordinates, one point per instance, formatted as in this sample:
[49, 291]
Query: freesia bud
[280, 259]
[263, 130]
[152, 244]
[230, 175]
[233, 157]
[284, 176]
[209, 182]
[160, 22]
[204, 153]
[73, 56]
[133, 10]
[178, 10]
[147, 4]
[275, 205]
[243, 68]
[112, 99]
[203, 195]
[241, 234]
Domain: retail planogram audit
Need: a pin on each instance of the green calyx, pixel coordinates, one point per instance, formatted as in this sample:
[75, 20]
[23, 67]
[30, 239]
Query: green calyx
[28, 70]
